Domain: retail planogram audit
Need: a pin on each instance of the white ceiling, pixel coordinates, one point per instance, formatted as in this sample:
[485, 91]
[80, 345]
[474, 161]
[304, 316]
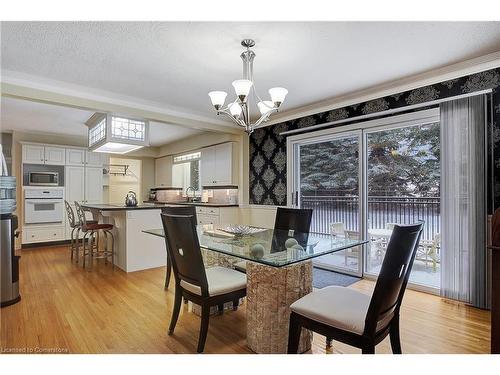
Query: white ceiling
[34, 117]
[175, 64]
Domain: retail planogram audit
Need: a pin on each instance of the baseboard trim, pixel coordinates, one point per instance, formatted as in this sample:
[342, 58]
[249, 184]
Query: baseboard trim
[44, 244]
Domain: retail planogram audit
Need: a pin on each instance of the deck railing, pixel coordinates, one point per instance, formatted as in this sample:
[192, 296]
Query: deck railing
[381, 211]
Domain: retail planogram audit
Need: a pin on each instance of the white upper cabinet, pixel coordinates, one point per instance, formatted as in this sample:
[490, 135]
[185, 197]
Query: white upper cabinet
[94, 159]
[224, 164]
[75, 183]
[34, 154]
[55, 155]
[217, 165]
[208, 166]
[163, 171]
[93, 184]
[75, 157]
[39, 154]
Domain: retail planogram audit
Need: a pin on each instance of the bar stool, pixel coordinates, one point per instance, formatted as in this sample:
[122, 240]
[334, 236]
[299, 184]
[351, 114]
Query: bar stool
[75, 225]
[91, 235]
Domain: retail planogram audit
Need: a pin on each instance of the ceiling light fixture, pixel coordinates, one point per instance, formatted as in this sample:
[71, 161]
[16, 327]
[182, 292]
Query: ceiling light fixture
[116, 134]
[238, 111]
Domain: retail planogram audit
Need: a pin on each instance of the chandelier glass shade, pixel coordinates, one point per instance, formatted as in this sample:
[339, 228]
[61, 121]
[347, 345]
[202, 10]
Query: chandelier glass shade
[238, 110]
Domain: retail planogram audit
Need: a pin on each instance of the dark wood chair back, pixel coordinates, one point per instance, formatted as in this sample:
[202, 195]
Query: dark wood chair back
[180, 210]
[394, 274]
[495, 228]
[297, 220]
[184, 250]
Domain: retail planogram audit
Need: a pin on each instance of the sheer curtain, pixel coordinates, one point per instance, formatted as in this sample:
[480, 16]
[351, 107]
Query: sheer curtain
[463, 200]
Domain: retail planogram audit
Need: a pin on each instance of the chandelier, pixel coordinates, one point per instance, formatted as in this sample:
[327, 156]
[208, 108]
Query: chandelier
[238, 111]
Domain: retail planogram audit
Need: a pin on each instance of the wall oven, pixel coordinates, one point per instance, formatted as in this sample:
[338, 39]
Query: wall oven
[43, 205]
[43, 178]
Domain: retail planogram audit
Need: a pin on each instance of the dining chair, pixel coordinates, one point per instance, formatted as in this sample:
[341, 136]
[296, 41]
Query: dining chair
[289, 222]
[297, 219]
[205, 287]
[176, 210]
[355, 318]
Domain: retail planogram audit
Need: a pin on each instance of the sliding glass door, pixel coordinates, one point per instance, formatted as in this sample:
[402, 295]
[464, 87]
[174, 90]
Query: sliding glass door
[403, 186]
[328, 182]
[360, 183]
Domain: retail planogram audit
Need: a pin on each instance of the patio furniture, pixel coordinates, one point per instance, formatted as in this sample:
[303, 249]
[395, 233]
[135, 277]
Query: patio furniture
[428, 251]
[352, 252]
[337, 229]
[354, 318]
[379, 238]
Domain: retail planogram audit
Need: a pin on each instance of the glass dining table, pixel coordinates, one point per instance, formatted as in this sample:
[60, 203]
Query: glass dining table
[279, 272]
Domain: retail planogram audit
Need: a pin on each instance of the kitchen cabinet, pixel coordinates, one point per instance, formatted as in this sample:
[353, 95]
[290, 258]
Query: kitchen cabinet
[46, 233]
[217, 167]
[75, 157]
[33, 154]
[208, 219]
[163, 171]
[217, 215]
[39, 154]
[93, 184]
[55, 155]
[75, 184]
[83, 183]
[93, 159]
[79, 157]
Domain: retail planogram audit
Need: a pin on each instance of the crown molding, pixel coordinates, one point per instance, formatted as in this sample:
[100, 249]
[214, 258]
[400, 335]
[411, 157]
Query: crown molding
[29, 87]
[430, 77]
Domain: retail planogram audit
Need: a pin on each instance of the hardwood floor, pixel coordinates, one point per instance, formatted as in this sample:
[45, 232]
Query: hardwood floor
[66, 308]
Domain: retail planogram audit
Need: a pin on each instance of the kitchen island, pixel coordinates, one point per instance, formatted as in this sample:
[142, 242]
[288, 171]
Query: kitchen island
[136, 250]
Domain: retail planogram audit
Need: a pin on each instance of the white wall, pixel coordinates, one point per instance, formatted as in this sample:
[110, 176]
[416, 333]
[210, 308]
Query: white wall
[119, 186]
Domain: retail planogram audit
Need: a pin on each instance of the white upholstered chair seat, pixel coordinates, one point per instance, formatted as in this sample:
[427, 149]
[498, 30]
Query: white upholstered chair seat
[335, 306]
[221, 280]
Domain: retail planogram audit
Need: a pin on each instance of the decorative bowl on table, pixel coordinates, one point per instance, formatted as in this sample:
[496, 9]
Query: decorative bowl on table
[242, 230]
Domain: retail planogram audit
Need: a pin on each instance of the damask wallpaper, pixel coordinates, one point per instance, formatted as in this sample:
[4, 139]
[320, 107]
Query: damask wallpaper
[268, 148]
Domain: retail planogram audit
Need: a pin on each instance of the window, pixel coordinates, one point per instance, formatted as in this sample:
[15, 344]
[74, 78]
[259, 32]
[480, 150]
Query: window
[128, 129]
[186, 171]
[98, 132]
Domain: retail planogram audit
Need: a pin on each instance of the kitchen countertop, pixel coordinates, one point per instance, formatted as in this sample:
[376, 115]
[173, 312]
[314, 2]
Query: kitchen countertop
[121, 207]
[150, 206]
[201, 204]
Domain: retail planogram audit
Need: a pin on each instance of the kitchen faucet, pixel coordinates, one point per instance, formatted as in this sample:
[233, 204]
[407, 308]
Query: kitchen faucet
[190, 199]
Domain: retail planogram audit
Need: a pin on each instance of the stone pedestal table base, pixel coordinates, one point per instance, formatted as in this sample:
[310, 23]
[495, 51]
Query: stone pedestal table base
[270, 292]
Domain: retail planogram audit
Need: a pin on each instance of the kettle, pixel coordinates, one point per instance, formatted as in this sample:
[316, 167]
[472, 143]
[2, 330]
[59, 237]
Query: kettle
[131, 199]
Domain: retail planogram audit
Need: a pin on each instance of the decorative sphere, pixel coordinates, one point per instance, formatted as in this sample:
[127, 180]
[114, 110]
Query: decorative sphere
[297, 247]
[257, 250]
[290, 242]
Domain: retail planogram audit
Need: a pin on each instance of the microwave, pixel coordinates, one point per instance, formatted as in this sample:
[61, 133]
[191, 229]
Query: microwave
[43, 179]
